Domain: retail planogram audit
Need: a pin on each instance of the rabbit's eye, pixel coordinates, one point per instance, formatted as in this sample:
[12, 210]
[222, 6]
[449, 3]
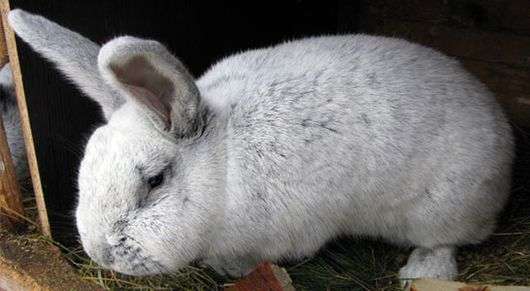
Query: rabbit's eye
[156, 180]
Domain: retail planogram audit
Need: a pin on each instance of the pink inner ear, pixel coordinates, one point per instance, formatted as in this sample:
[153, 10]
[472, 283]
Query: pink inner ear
[152, 102]
[147, 86]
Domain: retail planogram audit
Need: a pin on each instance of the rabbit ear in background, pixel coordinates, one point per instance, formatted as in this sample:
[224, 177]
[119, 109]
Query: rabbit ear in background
[74, 55]
[148, 74]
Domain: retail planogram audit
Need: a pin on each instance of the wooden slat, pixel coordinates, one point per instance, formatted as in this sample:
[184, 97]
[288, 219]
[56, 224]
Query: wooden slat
[4, 58]
[24, 117]
[10, 200]
[439, 285]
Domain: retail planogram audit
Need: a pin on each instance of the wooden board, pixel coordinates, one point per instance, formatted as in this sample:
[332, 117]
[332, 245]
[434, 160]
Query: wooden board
[438, 285]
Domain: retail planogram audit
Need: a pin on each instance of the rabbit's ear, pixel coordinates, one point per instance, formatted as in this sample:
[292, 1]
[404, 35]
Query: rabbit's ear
[148, 74]
[74, 55]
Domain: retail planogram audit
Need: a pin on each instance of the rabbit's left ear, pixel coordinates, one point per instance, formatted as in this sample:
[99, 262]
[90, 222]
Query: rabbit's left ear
[145, 72]
[74, 55]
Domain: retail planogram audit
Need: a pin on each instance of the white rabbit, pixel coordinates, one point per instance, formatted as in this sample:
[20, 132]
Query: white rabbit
[11, 119]
[276, 151]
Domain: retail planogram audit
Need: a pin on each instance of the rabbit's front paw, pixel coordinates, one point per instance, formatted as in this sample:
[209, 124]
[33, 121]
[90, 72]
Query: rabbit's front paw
[233, 267]
[438, 263]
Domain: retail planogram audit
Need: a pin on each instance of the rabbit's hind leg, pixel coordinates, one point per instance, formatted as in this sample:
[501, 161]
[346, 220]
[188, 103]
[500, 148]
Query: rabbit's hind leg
[437, 263]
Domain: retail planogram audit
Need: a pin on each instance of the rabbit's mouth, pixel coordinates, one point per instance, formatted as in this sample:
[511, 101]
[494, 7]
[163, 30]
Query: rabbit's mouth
[126, 256]
[144, 267]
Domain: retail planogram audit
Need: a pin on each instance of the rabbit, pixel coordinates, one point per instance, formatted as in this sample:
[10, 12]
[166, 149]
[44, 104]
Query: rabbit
[11, 120]
[276, 151]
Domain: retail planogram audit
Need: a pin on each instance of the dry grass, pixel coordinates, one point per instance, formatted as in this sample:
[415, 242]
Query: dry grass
[190, 278]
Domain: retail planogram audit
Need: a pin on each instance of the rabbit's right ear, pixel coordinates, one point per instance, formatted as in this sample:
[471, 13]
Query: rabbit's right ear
[74, 55]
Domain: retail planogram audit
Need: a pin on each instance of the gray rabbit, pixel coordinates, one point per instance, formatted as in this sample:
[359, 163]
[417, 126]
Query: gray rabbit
[11, 119]
[274, 152]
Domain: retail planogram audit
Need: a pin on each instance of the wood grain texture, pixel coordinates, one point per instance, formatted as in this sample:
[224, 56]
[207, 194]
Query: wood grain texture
[4, 57]
[24, 118]
[10, 198]
[439, 285]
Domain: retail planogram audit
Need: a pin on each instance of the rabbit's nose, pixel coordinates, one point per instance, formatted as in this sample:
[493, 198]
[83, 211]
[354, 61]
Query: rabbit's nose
[107, 258]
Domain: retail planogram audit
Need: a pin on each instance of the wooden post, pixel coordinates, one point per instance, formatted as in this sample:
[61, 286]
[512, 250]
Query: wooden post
[8, 38]
[11, 209]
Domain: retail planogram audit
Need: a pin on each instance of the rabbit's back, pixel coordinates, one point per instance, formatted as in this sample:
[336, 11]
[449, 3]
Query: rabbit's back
[353, 133]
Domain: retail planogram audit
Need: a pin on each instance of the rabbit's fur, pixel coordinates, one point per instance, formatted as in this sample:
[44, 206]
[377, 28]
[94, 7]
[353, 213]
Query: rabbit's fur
[276, 151]
[11, 120]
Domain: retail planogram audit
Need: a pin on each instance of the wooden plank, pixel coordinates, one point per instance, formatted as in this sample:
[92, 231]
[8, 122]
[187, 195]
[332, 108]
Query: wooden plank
[11, 207]
[490, 15]
[4, 58]
[487, 46]
[439, 285]
[24, 117]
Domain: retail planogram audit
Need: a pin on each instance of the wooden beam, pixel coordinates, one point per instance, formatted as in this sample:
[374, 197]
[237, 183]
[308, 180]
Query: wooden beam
[11, 45]
[438, 285]
[11, 209]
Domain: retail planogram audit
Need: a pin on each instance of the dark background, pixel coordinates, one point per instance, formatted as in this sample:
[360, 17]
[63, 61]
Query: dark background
[198, 32]
[490, 38]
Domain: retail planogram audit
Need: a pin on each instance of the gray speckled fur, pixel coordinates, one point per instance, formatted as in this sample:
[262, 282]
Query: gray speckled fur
[11, 119]
[287, 147]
